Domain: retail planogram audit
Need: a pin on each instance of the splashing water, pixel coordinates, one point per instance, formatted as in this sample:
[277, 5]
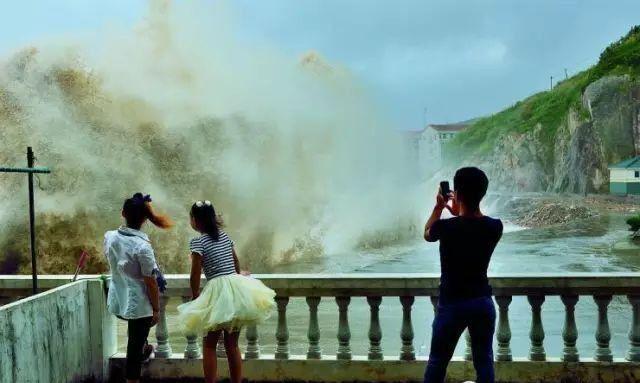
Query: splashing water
[292, 151]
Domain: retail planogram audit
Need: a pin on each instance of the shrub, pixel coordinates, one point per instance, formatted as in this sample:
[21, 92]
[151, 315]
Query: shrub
[634, 223]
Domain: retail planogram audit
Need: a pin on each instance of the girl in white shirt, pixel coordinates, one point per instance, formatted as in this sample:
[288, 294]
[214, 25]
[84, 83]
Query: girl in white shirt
[133, 290]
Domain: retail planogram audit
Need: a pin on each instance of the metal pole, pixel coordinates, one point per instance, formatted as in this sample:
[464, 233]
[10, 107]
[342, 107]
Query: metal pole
[424, 118]
[32, 219]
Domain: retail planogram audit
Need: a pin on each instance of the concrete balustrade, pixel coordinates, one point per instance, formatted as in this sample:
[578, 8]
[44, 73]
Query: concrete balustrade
[375, 331]
[503, 335]
[313, 333]
[406, 366]
[253, 345]
[570, 330]
[536, 334]
[162, 334]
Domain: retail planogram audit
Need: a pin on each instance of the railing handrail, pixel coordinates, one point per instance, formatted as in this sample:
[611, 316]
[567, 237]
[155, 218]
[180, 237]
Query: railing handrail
[385, 284]
[535, 286]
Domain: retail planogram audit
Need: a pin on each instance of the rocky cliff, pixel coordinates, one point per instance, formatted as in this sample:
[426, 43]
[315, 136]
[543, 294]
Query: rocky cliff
[563, 140]
[583, 146]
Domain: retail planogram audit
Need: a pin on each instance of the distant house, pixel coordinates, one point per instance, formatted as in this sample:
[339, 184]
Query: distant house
[425, 145]
[439, 134]
[624, 177]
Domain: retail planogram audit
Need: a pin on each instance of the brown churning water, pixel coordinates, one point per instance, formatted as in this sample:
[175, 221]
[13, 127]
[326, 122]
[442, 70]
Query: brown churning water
[293, 151]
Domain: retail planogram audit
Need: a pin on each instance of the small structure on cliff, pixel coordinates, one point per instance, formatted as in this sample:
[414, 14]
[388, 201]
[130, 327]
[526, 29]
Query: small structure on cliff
[425, 146]
[624, 177]
[439, 134]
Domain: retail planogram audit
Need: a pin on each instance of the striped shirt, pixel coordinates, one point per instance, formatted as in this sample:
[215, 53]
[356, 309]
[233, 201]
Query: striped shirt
[217, 256]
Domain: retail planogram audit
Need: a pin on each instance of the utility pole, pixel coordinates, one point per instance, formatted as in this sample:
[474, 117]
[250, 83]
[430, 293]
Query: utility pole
[30, 170]
[566, 75]
[551, 83]
[424, 117]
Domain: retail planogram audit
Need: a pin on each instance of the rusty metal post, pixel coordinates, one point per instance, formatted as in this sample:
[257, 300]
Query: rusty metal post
[32, 223]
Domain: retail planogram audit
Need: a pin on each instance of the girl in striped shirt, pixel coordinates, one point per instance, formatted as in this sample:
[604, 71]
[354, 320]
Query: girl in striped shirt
[229, 300]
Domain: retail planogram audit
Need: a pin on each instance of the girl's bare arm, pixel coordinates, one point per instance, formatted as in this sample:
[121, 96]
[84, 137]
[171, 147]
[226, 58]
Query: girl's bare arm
[196, 272]
[236, 262]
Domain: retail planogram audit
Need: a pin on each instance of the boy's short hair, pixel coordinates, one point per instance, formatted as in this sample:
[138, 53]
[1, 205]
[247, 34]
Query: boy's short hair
[470, 184]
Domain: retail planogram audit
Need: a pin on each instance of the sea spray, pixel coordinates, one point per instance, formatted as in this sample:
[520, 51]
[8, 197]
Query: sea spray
[292, 151]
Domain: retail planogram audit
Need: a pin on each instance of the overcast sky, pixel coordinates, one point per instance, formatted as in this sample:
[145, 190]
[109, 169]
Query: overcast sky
[458, 59]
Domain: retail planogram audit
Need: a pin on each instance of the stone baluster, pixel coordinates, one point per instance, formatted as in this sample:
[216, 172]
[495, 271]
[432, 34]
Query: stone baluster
[221, 352]
[603, 334]
[192, 350]
[344, 333]
[536, 334]
[407, 351]
[162, 334]
[375, 331]
[313, 334]
[504, 329]
[253, 345]
[570, 330]
[468, 354]
[634, 332]
[282, 331]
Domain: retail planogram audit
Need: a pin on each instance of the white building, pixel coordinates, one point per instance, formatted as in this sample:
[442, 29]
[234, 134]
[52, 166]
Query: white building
[438, 135]
[425, 147]
[624, 177]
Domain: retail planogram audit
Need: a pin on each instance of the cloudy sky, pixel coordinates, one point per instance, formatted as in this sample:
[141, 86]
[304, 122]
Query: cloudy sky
[457, 59]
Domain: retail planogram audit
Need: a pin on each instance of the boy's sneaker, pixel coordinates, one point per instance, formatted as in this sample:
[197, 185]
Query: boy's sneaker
[146, 353]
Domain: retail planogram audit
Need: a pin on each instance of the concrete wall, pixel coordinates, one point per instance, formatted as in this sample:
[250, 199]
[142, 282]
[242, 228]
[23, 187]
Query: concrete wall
[62, 335]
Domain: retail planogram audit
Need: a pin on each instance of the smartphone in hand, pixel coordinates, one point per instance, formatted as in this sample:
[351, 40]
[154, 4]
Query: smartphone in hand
[444, 189]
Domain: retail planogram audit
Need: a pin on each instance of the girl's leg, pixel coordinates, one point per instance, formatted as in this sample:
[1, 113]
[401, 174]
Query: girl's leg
[233, 356]
[138, 331]
[209, 357]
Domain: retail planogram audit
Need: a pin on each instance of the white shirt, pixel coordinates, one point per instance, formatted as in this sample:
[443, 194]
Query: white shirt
[130, 258]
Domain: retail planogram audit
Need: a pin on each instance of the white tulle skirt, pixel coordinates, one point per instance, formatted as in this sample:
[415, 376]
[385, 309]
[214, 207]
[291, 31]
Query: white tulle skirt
[228, 303]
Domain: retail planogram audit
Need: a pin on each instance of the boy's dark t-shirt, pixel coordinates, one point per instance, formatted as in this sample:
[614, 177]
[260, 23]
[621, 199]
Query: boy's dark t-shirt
[466, 246]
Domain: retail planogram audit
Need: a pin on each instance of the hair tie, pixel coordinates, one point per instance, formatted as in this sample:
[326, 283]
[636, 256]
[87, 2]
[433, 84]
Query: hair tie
[139, 198]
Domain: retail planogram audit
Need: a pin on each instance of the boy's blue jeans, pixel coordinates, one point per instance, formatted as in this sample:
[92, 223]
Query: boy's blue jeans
[479, 315]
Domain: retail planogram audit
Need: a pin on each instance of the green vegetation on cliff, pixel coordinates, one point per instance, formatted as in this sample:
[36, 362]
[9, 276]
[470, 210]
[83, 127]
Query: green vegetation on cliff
[549, 109]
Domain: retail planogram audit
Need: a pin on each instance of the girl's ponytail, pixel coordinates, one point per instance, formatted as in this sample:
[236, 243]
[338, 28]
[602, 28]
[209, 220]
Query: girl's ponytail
[161, 221]
[138, 208]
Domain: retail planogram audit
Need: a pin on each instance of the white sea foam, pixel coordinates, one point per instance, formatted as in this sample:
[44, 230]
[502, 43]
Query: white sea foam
[292, 150]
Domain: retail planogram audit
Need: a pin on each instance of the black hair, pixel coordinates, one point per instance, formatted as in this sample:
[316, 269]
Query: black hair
[206, 219]
[137, 209]
[470, 185]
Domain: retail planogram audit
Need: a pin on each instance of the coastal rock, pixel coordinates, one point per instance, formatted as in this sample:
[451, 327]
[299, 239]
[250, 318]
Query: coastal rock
[546, 213]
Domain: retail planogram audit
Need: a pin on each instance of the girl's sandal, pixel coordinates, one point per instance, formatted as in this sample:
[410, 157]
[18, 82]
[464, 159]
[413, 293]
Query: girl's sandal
[146, 353]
